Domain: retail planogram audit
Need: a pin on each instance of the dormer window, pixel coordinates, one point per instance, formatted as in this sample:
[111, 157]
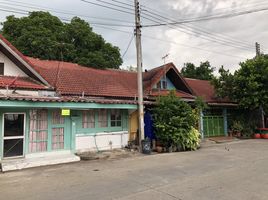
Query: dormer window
[162, 85]
[1, 68]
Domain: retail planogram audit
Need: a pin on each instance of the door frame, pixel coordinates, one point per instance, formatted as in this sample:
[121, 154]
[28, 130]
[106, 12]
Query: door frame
[16, 137]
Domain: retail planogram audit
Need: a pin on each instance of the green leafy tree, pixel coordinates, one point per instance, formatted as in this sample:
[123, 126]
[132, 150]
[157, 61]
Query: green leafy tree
[44, 36]
[203, 72]
[249, 84]
[174, 120]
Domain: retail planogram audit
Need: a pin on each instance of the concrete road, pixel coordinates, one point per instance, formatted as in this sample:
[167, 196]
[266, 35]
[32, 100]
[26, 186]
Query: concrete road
[237, 170]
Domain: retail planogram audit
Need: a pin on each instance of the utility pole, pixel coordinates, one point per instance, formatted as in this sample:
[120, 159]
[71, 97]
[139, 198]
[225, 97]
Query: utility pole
[258, 53]
[258, 49]
[139, 71]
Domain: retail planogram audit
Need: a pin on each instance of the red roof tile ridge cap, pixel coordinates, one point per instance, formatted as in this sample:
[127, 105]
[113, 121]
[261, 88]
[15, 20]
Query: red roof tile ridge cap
[195, 79]
[162, 66]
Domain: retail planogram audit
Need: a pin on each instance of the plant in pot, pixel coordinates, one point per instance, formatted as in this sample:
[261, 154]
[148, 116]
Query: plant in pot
[237, 128]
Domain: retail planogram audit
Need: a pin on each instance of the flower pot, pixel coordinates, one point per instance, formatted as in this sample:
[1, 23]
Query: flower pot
[159, 149]
[257, 135]
[264, 136]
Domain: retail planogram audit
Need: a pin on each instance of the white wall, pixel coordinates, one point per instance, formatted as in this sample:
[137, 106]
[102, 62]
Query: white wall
[10, 69]
[104, 141]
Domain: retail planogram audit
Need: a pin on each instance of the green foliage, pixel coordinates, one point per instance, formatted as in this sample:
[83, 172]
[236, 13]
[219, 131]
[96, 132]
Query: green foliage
[173, 120]
[203, 72]
[44, 36]
[248, 86]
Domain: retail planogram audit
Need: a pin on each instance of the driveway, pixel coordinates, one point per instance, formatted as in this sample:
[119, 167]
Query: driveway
[237, 170]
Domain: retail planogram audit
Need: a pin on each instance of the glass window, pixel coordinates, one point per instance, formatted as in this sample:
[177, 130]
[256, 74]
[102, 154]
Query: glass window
[57, 118]
[38, 137]
[116, 118]
[103, 118]
[164, 84]
[88, 119]
[57, 138]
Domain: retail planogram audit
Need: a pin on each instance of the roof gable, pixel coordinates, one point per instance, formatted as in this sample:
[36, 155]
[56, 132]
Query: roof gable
[19, 60]
[153, 76]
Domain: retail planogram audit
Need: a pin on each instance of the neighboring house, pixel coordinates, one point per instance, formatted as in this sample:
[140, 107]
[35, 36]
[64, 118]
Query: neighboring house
[50, 110]
[214, 119]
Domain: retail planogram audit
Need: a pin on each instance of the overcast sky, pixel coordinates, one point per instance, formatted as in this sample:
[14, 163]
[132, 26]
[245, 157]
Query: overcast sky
[193, 42]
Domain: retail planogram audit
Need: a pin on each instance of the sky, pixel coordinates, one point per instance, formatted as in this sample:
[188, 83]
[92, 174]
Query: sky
[225, 41]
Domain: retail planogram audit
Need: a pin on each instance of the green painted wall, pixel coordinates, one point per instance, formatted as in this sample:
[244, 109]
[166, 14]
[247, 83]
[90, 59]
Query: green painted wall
[72, 125]
[90, 131]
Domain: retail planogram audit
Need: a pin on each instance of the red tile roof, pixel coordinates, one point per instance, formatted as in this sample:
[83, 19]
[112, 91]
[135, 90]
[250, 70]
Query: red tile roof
[20, 83]
[73, 79]
[206, 90]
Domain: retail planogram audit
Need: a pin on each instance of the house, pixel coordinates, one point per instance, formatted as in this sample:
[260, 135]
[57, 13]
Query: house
[50, 110]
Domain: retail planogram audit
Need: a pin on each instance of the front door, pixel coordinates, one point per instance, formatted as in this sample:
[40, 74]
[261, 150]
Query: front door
[13, 134]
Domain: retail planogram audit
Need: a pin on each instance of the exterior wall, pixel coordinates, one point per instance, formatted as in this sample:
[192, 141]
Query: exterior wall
[101, 141]
[76, 138]
[133, 125]
[66, 125]
[10, 69]
[96, 139]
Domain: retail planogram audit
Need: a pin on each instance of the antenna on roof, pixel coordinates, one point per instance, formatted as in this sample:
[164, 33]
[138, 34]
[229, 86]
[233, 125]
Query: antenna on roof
[165, 57]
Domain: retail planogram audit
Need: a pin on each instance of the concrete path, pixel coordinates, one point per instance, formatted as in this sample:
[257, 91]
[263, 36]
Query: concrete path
[234, 171]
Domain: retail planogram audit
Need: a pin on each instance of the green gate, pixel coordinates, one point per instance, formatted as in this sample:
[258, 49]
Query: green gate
[213, 126]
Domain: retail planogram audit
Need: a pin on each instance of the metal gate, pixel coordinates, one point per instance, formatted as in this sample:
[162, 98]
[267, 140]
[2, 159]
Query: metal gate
[213, 126]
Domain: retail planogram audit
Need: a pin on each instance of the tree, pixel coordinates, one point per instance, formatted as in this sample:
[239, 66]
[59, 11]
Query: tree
[248, 86]
[44, 36]
[203, 72]
[174, 122]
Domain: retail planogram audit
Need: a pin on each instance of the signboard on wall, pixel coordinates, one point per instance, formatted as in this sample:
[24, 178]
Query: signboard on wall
[65, 112]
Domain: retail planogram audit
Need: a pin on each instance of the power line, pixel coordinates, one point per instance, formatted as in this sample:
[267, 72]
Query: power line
[108, 7]
[18, 4]
[206, 18]
[150, 37]
[154, 12]
[92, 22]
[209, 38]
[131, 39]
[206, 35]
[172, 42]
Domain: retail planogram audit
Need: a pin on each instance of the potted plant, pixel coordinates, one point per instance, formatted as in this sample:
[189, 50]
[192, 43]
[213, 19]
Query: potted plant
[237, 128]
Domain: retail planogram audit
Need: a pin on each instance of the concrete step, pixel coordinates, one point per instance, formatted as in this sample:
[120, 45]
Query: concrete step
[38, 160]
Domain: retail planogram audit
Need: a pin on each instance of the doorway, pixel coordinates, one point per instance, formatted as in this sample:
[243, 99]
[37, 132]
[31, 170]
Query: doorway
[13, 134]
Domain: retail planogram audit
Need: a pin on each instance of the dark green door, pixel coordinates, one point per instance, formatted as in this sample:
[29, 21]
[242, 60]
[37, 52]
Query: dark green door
[213, 126]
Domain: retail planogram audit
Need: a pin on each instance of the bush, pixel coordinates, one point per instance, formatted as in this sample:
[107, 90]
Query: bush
[174, 120]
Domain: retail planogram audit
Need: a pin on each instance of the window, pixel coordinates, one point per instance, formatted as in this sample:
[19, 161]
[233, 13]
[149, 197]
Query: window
[1, 68]
[57, 138]
[57, 118]
[88, 119]
[116, 119]
[162, 85]
[38, 131]
[103, 118]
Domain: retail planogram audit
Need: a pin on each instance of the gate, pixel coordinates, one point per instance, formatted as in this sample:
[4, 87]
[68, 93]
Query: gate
[213, 126]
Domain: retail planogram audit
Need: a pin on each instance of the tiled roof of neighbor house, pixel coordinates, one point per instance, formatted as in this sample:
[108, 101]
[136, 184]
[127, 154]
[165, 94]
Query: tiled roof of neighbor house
[73, 79]
[13, 82]
[206, 90]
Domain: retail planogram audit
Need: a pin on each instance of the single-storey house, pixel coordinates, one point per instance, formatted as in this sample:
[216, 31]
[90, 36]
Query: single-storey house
[50, 110]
